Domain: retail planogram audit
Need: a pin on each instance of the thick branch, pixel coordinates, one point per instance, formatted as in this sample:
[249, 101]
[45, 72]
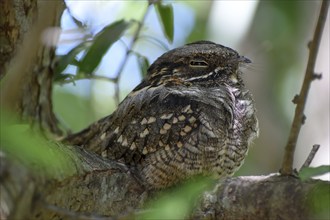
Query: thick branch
[300, 100]
[261, 197]
[106, 188]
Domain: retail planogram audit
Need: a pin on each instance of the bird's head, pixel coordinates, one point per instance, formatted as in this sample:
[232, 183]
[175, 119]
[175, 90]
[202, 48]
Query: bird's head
[201, 63]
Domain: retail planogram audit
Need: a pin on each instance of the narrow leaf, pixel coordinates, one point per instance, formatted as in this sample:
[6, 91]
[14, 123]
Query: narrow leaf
[102, 42]
[165, 13]
[143, 64]
[62, 76]
[309, 172]
[69, 58]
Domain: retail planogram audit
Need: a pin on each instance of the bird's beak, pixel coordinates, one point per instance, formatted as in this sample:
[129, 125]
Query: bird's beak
[243, 59]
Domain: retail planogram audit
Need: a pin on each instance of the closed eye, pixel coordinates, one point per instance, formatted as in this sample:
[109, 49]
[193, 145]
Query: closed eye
[198, 63]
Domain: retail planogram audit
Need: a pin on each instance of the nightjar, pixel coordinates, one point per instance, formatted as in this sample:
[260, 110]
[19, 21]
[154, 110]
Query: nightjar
[191, 115]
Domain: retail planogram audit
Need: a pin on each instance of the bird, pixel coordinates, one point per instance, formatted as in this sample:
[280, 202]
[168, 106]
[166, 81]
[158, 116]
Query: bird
[191, 115]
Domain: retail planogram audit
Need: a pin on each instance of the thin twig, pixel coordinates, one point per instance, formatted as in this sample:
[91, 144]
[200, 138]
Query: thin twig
[74, 78]
[300, 99]
[310, 156]
[128, 51]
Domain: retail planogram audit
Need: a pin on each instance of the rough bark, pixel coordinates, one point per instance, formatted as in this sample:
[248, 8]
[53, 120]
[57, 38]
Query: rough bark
[16, 17]
[97, 188]
[262, 197]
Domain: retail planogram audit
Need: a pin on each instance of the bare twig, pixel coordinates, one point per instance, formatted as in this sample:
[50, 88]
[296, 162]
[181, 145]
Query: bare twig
[310, 156]
[128, 51]
[300, 99]
[73, 78]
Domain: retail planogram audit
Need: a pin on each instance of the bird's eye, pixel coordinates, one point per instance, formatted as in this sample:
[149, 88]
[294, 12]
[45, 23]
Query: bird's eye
[198, 63]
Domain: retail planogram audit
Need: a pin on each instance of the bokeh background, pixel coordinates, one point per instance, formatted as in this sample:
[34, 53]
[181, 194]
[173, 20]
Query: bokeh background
[273, 34]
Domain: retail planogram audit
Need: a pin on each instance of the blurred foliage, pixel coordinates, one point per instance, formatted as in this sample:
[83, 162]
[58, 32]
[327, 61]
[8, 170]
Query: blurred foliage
[309, 172]
[319, 202]
[202, 12]
[282, 26]
[71, 118]
[165, 13]
[177, 202]
[20, 142]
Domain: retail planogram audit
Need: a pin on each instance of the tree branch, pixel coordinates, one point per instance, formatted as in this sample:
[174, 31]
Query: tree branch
[300, 100]
[310, 156]
[105, 188]
[262, 197]
[73, 78]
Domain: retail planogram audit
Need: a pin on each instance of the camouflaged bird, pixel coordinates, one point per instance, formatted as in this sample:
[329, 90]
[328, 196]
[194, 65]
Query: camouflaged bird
[191, 115]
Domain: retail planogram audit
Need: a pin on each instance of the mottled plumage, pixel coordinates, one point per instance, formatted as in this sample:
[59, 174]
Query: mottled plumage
[191, 115]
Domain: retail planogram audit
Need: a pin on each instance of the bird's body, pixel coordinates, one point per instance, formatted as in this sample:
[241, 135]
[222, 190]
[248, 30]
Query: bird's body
[191, 115]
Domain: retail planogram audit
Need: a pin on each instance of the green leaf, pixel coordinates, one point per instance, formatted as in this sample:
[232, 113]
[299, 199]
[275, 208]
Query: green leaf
[102, 42]
[143, 64]
[318, 200]
[177, 203]
[64, 77]
[309, 172]
[166, 16]
[70, 58]
[30, 147]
